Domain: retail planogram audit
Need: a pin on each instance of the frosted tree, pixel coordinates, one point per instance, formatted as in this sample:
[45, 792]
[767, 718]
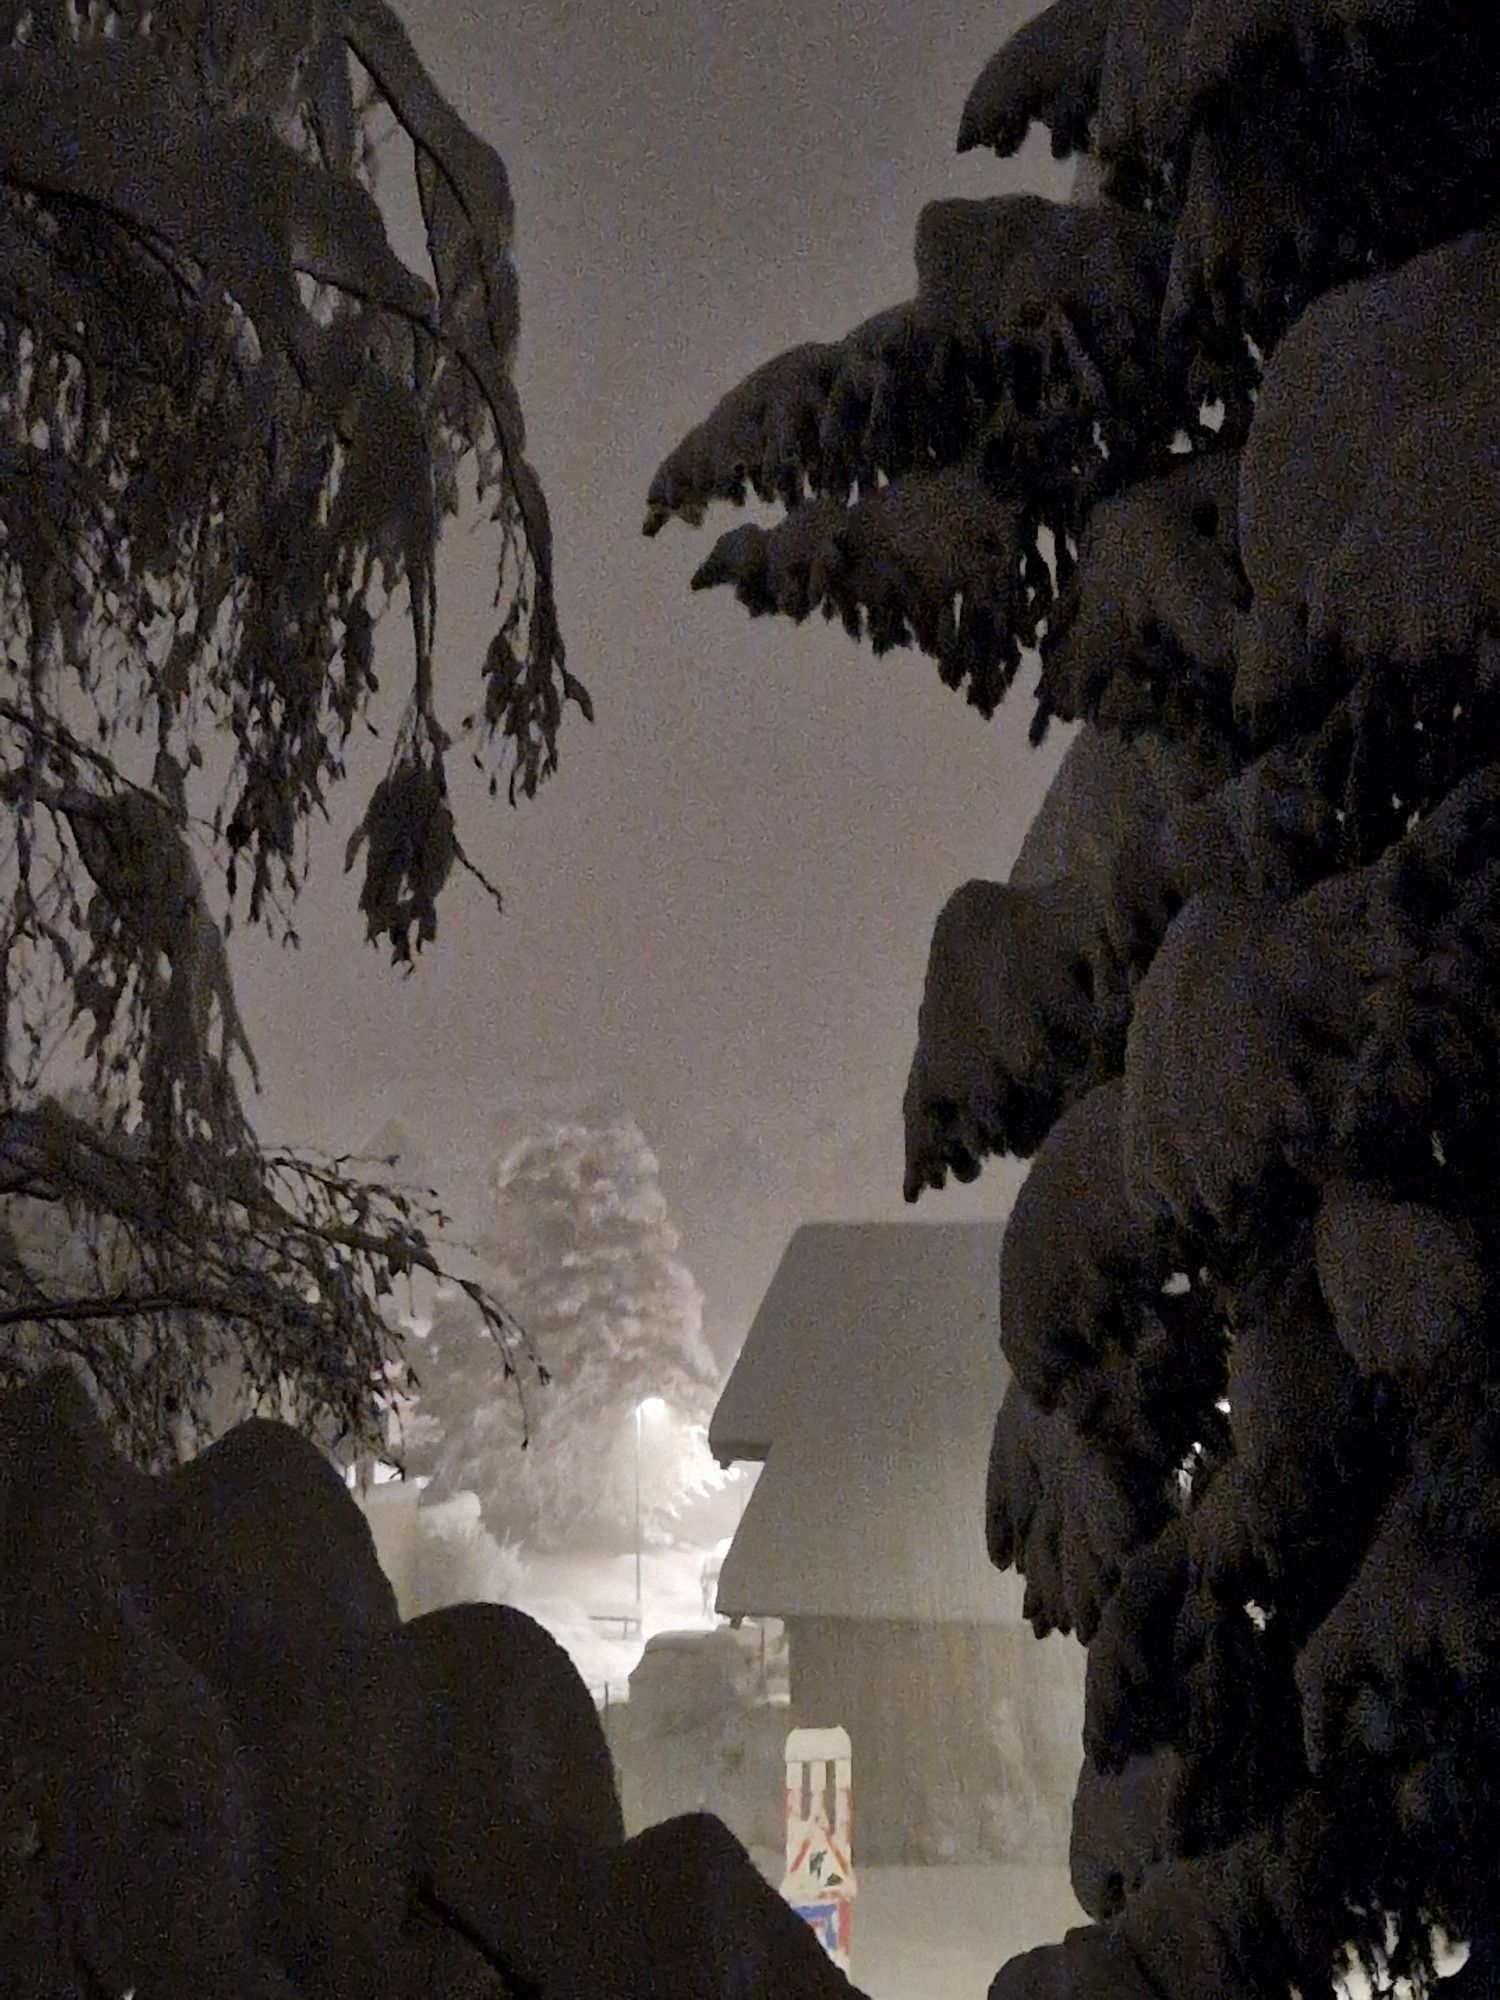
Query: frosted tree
[583, 1249]
[232, 424]
[1220, 444]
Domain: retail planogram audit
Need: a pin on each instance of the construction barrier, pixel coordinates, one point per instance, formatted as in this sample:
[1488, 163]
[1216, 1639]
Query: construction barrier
[819, 1882]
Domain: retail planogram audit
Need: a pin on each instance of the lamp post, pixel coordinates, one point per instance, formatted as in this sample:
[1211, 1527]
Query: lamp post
[649, 1406]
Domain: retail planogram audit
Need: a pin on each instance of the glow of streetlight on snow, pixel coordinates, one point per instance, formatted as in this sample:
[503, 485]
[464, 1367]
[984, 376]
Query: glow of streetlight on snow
[650, 1406]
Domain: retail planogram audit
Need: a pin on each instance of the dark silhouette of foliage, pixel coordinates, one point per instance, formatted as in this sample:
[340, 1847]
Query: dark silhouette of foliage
[1238, 1001]
[227, 1766]
[232, 424]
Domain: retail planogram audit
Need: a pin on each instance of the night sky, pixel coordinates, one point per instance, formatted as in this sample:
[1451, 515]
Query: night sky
[717, 913]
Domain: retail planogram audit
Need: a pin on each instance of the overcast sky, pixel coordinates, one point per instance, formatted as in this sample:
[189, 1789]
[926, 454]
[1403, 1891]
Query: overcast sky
[718, 911]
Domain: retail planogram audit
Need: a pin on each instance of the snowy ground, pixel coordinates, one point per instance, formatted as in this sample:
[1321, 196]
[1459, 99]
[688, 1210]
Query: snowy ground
[943, 1933]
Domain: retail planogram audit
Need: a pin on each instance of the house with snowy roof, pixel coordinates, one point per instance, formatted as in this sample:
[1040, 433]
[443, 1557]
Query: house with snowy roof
[867, 1390]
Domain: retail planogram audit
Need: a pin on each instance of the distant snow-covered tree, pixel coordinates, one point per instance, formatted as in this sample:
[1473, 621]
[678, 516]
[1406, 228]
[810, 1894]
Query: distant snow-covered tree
[584, 1251]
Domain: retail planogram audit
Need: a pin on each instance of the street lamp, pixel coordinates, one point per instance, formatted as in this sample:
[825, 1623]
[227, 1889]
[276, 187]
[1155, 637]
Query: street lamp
[649, 1406]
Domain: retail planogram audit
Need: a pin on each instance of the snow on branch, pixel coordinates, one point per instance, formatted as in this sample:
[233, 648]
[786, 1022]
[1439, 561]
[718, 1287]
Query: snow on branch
[1058, 1511]
[1247, 1018]
[1379, 546]
[142, 1266]
[1048, 72]
[1145, 637]
[1005, 1033]
[237, 421]
[1087, 1321]
[1016, 268]
[764, 433]
[322, 397]
[823, 418]
[1023, 365]
[1145, 68]
[1286, 146]
[1020, 302]
[934, 559]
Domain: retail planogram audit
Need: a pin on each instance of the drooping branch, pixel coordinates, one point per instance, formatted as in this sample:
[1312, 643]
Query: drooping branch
[289, 1257]
[237, 420]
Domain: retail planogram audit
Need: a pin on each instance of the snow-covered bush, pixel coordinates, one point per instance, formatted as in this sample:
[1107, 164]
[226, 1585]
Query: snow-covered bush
[456, 1560]
[699, 1733]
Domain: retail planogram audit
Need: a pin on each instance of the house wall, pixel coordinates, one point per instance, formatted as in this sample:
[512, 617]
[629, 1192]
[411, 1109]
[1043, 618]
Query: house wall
[967, 1739]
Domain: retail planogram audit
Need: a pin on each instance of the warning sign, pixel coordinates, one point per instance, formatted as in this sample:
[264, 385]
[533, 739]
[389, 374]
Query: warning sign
[819, 1882]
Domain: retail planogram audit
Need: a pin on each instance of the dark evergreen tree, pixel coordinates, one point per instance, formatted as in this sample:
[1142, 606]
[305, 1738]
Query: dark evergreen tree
[1221, 443]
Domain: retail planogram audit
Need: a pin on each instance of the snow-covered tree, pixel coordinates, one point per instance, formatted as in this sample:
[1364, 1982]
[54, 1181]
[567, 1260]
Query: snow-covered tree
[1220, 443]
[232, 423]
[584, 1251]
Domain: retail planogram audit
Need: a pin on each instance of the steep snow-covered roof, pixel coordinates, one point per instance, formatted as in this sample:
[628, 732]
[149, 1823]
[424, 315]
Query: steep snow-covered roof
[868, 1385]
